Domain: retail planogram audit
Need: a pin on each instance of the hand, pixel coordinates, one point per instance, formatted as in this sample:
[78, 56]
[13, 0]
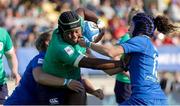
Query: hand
[17, 78]
[98, 93]
[76, 86]
[84, 42]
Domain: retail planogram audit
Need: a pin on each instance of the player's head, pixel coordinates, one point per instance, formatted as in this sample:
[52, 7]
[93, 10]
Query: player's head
[143, 23]
[42, 41]
[69, 26]
[133, 12]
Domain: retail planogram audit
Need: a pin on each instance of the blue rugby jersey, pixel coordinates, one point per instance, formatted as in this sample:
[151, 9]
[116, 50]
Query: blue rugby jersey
[143, 68]
[26, 91]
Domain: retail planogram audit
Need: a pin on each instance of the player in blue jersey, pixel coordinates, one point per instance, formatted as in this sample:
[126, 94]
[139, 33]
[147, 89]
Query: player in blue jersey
[143, 62]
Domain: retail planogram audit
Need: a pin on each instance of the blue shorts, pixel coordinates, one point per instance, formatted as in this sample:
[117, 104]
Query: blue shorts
[51, 95]
[21, 97]
[60, 96]
[3, 93]
[140, 101]
[122, 91]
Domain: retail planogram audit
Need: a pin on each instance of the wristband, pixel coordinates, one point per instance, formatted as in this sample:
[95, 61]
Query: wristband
[88, 44]
[69, 81]
[66, 82]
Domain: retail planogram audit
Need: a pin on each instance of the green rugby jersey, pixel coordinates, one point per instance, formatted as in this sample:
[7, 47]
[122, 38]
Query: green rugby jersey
[61, 58]
[5, 46]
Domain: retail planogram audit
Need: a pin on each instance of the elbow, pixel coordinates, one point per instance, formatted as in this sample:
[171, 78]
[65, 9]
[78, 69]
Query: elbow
[110, 74]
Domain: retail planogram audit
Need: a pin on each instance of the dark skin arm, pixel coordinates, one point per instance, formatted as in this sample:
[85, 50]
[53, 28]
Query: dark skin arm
[87, 14]
[91, 90]
[101, 64]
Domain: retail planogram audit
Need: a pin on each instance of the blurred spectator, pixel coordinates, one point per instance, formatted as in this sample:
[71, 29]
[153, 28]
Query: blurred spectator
[175, 96]
[173, 10]
[107, 9]
[166, 83]
[18, 16]
[121, 8]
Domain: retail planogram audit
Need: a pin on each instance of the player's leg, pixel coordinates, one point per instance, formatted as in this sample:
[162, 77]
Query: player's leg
[21, 97]
[3, 93]
[122, 91]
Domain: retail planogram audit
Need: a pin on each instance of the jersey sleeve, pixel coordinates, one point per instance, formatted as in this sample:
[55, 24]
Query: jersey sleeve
[8, 43]
[135, 44]
[38, 62]
[68, 55]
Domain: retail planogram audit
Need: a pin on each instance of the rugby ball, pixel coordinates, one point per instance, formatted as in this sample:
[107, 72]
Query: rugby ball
[91, 31]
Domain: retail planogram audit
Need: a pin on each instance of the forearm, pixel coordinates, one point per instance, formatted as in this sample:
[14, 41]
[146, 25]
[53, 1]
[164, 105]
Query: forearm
[114, 71]
[87, 14]
[110, 51]
[100, 36]
[12, 62]
[88, 86]
[101, 64]
[46, 79]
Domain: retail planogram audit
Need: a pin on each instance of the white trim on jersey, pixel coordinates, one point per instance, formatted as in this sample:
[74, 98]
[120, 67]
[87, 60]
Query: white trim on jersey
[10, 50]
[76, 63]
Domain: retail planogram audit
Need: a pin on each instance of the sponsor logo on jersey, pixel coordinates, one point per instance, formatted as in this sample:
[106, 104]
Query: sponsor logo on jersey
[40, 61]
[69, 50]
[54, 101]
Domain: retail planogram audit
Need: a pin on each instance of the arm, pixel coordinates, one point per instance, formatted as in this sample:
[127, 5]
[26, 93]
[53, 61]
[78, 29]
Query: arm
[114, 71]
[49, 80]
[91, 90]
[97, 63]
[87, 14]
[99, 37]
[111, 51]
[13, 64]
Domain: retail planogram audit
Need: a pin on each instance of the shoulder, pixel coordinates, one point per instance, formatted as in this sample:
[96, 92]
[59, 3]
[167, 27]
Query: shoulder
[3, 32]
[38, 59]
[3, 29]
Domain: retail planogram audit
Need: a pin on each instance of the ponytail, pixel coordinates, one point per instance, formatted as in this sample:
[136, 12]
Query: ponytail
[163, 25]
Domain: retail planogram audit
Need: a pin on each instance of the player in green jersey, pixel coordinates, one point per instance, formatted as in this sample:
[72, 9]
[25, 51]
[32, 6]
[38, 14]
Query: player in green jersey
[64, 57]
[6, 47]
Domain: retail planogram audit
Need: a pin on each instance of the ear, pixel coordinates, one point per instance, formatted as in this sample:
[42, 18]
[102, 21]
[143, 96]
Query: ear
[47, 42]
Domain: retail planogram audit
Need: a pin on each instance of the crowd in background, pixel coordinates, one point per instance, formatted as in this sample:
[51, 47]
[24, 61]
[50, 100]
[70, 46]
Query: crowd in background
[25, 19]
